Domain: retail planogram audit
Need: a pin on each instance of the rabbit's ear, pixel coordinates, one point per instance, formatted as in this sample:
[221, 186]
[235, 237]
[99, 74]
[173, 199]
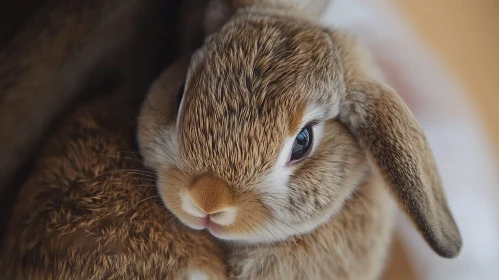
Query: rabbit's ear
[390, 133]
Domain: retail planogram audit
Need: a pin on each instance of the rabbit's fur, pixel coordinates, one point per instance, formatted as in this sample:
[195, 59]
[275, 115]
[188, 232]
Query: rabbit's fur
[65, 49]
[90, 211]
[254, 84]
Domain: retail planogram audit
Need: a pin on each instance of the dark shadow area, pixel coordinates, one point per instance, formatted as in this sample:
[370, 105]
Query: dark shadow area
[14, 16]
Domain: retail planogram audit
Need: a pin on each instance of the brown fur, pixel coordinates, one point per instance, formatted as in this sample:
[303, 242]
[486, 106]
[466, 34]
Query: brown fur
[243, 89]
[295, 119]
[90, 211]
[64, 50]
[211, 194]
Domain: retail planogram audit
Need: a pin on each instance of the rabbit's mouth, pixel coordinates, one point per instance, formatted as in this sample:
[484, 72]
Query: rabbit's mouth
[213, 223]
[196, 217]
[205, 223]
[213, 228]
[207, 203]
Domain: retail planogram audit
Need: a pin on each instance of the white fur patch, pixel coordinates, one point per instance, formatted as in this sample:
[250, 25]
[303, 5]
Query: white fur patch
[312, 113]
[277, 179]
[318, 134]
[226, 217]
[189, 206]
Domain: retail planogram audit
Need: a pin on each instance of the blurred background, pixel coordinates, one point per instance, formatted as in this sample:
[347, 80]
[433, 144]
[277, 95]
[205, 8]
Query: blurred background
[442, 56]
[464, 35]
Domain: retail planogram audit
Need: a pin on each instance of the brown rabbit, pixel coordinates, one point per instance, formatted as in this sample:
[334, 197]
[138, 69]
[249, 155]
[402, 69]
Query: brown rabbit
[90, 211]
[286, 145]
[54, 51]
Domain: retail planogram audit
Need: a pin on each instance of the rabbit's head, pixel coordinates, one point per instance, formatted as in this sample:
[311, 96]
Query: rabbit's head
[279, 120]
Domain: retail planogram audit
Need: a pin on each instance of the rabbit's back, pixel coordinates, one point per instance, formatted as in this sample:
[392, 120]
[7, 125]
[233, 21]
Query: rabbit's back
[90, 211]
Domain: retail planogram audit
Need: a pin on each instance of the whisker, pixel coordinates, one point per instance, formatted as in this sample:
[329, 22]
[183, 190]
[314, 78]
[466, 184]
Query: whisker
[258, 246]
[299, 247]
[131, 171]
[151, 197]
[271, 246]
[121, 157]
[333, 262]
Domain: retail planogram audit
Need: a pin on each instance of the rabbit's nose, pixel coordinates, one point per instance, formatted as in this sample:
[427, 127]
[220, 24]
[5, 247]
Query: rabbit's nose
[210, 194]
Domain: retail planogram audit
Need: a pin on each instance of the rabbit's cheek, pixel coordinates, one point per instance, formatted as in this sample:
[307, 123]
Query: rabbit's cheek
[171, 183]
[159, 147]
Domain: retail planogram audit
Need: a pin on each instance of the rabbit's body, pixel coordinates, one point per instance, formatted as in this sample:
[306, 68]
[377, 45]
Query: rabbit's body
[285, 144]
[90, 211]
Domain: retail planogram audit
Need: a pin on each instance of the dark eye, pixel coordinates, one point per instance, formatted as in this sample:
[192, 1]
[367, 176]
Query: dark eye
[303, 144]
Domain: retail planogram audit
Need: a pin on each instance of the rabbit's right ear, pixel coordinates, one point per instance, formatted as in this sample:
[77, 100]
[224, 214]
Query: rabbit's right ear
[382, 122]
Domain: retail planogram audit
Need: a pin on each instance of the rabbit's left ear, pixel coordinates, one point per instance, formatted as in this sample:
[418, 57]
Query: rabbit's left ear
[382, 122]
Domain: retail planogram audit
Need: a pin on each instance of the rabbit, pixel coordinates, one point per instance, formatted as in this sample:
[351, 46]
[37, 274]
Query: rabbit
[62, 51]
[289, 147]
[90, 210]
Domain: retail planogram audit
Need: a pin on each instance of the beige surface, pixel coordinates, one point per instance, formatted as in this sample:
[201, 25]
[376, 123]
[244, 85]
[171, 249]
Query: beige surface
[465, 35]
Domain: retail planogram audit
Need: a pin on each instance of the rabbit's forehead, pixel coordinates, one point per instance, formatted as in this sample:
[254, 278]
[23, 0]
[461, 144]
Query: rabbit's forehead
[271, 63]
[234, 136]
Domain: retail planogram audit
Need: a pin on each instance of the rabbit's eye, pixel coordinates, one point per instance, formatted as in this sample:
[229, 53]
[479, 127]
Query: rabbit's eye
[302, 145]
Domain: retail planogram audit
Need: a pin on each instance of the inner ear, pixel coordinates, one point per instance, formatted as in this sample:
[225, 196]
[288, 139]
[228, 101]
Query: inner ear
[390, 133]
